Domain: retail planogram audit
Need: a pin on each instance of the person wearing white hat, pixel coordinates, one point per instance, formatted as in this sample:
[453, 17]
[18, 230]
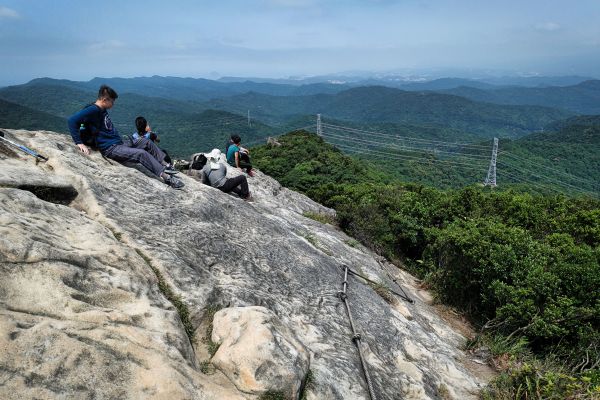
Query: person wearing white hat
[215, 174]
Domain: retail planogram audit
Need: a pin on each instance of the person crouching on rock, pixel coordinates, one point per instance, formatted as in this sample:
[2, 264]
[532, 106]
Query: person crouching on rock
[143, 131]
[238, 157]
[214, 174]
[95, 122]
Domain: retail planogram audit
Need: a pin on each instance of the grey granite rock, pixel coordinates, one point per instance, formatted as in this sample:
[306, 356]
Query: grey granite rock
[97, 288]
[257, 352]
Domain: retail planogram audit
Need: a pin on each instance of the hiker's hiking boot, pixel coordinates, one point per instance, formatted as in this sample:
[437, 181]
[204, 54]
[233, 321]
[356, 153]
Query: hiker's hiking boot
[249, 199]
[174, 182]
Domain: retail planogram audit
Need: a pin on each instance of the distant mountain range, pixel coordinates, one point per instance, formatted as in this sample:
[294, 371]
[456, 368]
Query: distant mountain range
[377, 104]
[583, 98]
[202, 110]
[551, 148]
[497, 90]
[407, 80]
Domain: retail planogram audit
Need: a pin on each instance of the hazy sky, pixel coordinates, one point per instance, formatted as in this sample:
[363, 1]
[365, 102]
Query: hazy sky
[278, 38]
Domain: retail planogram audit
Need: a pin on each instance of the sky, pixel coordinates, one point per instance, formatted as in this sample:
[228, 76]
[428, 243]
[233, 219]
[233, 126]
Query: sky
[80, 40]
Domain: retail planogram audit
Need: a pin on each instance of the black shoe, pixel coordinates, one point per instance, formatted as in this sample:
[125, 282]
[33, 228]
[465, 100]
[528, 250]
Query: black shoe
[174, 182]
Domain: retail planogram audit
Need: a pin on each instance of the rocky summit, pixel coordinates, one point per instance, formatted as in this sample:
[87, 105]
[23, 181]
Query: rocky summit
[115, 286]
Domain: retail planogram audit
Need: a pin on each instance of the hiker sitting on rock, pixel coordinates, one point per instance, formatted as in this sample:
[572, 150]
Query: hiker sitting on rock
[92, 127]
[238, 157]
[143, 130]
[214, 174]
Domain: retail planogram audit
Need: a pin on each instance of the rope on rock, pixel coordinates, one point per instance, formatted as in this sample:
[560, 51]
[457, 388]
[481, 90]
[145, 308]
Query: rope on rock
[355, 335]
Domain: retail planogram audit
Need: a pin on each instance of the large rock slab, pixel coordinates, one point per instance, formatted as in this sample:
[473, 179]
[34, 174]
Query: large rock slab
[84, 311]
[257, 352]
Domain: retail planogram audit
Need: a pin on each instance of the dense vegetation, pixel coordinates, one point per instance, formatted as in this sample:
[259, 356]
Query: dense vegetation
[524, 268]
[563, 158]
[19, 117]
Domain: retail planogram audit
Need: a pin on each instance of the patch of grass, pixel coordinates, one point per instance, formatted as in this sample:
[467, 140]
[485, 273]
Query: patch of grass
[443, 392]
[543, 379]
[117, 235]
[527, 376]
[207, 368]
[319, 217]
[500, 349]
[383, 291]
[273, 395]
[309, 382]
[312, 239]
[352, 242]
[165, 289]
[207, 339]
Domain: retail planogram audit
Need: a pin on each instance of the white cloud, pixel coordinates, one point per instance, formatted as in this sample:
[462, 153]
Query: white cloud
[547, 26]
[6, 12]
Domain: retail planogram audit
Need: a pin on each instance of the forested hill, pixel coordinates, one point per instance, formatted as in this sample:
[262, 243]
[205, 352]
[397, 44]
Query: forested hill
[379, 104]
[564, 158]
[579, 129]
[13, 115]
[583, 98]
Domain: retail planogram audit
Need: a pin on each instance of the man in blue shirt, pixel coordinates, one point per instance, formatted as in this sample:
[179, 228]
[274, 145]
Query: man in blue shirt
[94, 121]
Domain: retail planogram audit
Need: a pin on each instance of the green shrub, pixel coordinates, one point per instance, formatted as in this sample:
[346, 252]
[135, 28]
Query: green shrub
[319, 217]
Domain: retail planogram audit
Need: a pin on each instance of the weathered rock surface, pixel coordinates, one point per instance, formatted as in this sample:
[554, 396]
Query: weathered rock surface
[100, 267]
[257, 352]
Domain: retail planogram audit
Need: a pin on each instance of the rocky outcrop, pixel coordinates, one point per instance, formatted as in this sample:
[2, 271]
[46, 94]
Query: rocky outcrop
[257, 352]
[111, 282]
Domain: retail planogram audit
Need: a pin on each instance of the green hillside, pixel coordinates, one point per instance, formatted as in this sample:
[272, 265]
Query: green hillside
[579, 129]
[210, 129]
[525, 269]
[15, 116]
[565, 158]
[583, 98]
[381, 104]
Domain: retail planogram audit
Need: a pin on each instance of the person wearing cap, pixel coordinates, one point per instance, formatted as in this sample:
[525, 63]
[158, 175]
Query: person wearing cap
[214, 174]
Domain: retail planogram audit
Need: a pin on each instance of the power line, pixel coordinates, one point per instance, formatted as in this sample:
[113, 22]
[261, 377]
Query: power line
[556, 181]
[400, 147]
[530, 182]
[505, 153]
[387, 155]
[407, 138]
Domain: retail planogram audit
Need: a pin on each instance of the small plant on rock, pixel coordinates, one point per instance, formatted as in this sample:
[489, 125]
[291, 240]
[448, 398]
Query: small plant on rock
[273, 395]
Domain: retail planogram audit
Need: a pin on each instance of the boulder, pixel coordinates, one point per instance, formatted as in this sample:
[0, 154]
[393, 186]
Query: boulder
[257, 352]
